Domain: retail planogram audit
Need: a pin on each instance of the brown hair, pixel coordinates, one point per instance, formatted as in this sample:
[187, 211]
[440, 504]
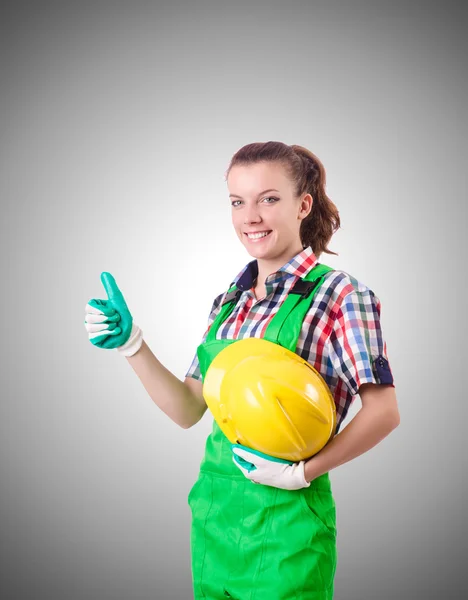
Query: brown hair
[308, 175]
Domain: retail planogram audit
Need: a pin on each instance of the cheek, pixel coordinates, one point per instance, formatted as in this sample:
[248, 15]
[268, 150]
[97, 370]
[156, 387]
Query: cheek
[279, 221]
[237, 223]
[286, 225]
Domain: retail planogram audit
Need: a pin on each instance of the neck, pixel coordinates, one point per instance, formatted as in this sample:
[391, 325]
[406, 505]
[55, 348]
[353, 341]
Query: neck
[267, 266]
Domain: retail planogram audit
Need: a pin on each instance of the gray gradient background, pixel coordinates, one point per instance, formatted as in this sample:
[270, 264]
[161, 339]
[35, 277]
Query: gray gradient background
[118, 121]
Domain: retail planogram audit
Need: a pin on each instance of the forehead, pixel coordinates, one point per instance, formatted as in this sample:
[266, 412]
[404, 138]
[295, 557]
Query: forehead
[251, 179]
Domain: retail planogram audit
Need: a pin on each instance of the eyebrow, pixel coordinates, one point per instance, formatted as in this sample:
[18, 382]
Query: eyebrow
[264, 192]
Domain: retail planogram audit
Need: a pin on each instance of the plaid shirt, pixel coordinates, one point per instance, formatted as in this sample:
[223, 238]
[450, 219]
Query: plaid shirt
[340, 337]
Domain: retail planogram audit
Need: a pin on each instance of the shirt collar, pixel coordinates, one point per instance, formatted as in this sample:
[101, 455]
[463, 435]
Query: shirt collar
[298, 266]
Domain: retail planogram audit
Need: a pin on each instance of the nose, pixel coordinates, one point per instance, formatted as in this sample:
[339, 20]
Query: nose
[251, 215]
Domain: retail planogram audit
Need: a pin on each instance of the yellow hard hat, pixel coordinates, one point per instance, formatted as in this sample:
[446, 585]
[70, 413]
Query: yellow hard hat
[270, 399]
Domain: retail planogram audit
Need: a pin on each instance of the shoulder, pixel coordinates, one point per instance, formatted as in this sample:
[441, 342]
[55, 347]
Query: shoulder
[218, 300]
[342, 294]
[217, 303]
[338, 284]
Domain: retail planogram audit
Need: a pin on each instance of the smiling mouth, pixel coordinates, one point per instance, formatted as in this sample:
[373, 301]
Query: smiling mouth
[257, 238]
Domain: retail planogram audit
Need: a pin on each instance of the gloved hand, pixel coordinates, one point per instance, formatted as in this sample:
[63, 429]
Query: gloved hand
[269, 470]
[109, 322]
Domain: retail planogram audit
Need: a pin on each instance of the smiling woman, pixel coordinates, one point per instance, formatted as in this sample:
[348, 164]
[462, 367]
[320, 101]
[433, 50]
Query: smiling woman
[275, 539]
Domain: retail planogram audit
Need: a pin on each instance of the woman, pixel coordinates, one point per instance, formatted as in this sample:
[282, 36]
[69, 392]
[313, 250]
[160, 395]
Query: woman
[275, 540]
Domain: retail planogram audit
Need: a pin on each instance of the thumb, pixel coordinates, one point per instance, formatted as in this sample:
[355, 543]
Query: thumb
[112, 289]
[244, 455]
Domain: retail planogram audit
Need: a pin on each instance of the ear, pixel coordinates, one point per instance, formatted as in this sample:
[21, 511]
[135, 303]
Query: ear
[306, 206]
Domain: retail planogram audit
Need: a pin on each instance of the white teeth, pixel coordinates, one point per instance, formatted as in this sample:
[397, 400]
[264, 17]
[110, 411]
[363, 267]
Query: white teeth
[255, 236]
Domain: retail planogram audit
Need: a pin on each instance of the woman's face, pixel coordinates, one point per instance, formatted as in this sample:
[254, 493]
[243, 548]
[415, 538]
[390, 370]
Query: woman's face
[262, 200]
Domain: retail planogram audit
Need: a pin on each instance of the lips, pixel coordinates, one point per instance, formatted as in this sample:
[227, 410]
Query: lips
[252, 232]
[263, 237]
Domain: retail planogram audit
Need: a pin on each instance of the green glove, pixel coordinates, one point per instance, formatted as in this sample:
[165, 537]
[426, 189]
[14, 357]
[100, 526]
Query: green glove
[109, 322]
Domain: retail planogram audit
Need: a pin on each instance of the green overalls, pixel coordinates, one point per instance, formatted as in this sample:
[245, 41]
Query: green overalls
[257, 542]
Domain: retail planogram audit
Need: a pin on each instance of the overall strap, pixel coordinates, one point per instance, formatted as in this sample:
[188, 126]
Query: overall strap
[285, 327]
[230, 300]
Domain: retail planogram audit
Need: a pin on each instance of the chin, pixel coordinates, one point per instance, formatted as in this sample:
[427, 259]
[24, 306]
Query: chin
[264, 254]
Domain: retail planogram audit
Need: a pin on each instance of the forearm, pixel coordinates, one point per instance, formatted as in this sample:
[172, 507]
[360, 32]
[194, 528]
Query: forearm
[366, 430]
[168, 392]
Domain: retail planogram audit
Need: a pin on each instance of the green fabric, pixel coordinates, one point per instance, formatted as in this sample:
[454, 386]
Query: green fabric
[256, 542]
[283, 329]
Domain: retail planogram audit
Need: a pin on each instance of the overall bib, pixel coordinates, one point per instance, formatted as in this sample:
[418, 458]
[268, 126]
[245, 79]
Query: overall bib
[257, 542]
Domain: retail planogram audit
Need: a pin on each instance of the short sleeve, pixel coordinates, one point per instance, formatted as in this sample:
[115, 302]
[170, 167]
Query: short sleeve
[194, 369]
[356, 346]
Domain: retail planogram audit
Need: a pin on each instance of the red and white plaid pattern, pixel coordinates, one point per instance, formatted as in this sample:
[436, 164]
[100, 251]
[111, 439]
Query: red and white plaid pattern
[340, 337]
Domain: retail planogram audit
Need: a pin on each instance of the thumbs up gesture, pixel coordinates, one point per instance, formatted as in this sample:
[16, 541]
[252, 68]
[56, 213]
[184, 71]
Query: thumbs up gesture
[109, 322]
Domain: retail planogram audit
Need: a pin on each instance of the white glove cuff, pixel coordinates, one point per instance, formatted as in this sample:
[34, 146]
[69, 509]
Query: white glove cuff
[134, 342]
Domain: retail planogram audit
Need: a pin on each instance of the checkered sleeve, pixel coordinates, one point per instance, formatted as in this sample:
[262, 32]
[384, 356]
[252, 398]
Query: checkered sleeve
[357, 348]
[194, 369]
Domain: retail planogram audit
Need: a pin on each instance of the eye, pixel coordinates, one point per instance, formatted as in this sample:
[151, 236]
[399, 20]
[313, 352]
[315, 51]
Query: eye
[274, 198]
